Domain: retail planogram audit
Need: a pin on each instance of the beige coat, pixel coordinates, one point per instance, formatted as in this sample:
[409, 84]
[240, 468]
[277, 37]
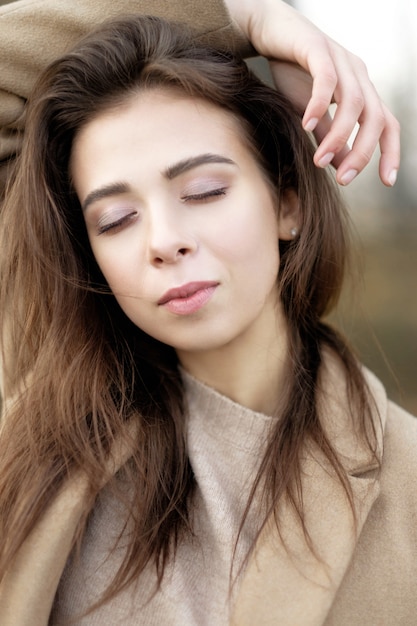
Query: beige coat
[367, 576]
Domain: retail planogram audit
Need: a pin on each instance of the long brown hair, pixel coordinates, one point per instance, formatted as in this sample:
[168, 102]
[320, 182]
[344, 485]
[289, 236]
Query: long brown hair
[77, 368]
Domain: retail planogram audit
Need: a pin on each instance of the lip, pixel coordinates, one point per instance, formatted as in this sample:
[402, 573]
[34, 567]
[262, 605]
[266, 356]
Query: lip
[188, 298]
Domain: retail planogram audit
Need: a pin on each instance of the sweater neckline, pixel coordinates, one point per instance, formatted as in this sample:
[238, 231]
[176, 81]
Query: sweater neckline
[193, 387]
[214, 415]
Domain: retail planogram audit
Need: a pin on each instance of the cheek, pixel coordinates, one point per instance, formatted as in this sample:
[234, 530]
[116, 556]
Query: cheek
[116, 266]
[256, 238]
[261, 250]
[253, 226]
[252, 254]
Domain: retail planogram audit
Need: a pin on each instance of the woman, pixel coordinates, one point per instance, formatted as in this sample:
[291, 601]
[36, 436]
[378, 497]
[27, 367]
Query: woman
[169, 251]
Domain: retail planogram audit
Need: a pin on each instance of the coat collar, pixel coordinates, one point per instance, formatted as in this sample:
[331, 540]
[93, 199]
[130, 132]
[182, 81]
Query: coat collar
[28, 590]
[284, 583]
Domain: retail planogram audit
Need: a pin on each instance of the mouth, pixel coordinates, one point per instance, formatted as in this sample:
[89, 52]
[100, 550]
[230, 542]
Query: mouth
[188, 298]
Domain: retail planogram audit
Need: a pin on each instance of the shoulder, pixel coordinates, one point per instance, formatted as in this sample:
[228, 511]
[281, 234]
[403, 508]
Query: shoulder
[399, 439]
[397, 502]
[400, 443]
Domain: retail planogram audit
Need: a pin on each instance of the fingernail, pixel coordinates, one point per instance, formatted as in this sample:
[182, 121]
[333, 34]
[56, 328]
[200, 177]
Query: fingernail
[392, 178]
[348, 177]
[311, 124]
[326, 159]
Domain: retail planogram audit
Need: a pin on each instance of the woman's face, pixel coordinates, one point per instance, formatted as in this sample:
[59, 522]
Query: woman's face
[180, 220]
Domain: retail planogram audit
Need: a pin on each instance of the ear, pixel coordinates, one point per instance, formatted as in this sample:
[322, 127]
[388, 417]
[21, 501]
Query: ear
[289, 215]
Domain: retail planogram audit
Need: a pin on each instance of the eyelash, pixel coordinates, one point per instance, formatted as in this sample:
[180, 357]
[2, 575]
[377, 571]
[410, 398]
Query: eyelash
[112, 226]
[205, 195]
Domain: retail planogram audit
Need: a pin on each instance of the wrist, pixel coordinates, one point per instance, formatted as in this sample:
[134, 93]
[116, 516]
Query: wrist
[252, 16]
[240, 12]
[243, 12]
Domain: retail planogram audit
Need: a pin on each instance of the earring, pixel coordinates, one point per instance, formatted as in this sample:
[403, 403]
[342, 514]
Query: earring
[293, 232]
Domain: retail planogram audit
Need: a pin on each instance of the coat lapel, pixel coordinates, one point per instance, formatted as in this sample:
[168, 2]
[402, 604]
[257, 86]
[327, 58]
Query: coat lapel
[28, 590]
[284, 582]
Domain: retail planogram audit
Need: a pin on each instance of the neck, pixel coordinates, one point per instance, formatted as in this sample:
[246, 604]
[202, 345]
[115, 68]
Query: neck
[250, 371]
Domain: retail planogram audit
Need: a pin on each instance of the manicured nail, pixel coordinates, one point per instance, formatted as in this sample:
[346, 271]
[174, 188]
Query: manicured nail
[326, 159]
[392, 178]
[311, 124]
[348, 177]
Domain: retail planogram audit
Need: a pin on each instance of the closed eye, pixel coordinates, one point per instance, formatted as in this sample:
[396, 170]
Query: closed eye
[204, 195]
[116, 225]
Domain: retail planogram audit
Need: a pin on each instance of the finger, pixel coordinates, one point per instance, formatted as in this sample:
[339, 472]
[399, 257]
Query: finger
[322, 130]
[376, 125]
[354, 95]
[363, 147]
[390, 150]
[359, 102]
[325, 79]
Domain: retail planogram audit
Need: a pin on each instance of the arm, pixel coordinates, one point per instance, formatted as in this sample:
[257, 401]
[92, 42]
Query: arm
[331, 74]
[33, 32]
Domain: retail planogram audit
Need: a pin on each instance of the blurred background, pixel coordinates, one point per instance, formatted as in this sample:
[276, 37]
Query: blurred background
[378, 311]
[380, 315]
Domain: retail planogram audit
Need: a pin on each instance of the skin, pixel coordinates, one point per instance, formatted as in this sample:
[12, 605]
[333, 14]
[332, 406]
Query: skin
[177, 217]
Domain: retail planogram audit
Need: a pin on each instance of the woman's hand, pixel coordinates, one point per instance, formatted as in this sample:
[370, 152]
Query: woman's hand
[314, 71]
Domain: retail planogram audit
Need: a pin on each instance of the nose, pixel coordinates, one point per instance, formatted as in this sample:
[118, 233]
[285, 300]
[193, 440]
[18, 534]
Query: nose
[170, 238]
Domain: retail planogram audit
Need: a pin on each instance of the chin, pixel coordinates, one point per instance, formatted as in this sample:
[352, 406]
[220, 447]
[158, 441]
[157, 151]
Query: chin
[201, 344]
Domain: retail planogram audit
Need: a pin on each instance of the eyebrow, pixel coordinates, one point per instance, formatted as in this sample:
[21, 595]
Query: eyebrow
[106, 191]
[170, 173]
[187, 164]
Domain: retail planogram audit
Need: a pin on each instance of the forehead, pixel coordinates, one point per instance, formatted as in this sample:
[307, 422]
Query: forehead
[158, 118]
